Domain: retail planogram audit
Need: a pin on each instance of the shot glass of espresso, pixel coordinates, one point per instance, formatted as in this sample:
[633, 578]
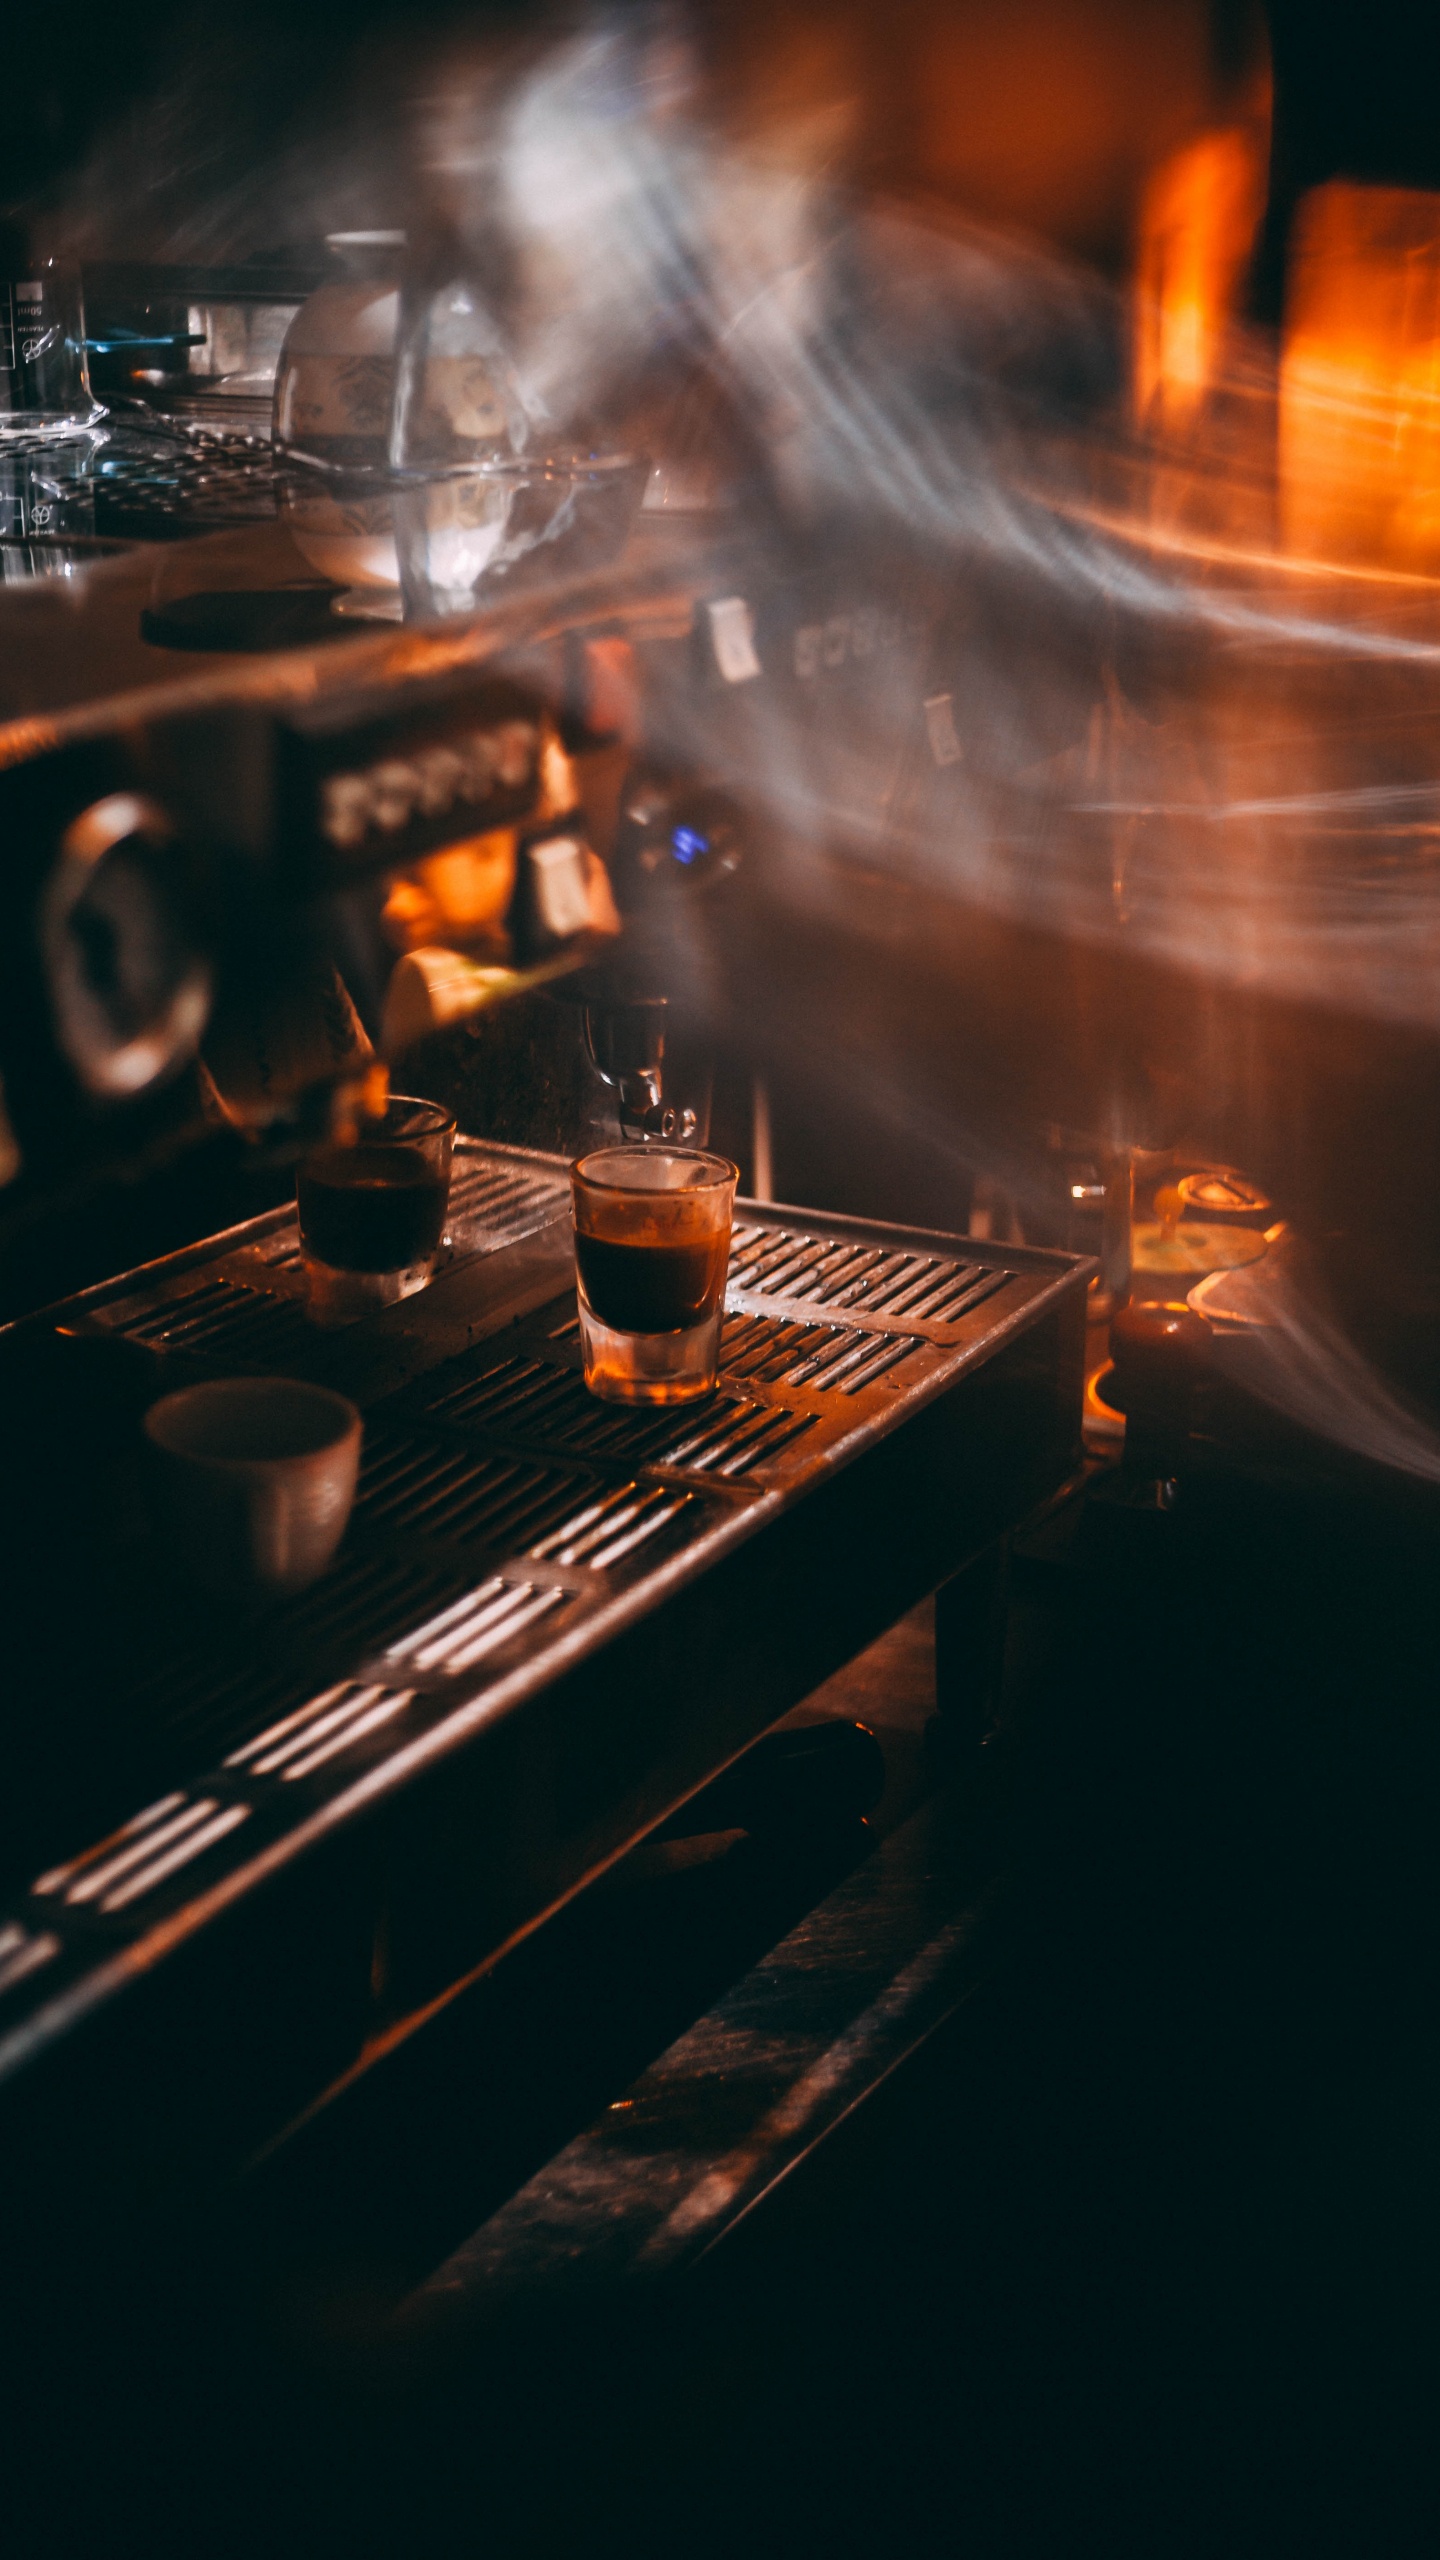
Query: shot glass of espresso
[652, 1245]
[372, 1210]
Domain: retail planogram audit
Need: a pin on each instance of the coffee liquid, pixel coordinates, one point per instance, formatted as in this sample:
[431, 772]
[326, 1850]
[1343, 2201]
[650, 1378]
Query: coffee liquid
[652, 1288]
[371, 1208]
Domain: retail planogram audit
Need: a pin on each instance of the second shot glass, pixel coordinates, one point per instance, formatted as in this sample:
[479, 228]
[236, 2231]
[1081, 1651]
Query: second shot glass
[652, 1247]
[372, 1210]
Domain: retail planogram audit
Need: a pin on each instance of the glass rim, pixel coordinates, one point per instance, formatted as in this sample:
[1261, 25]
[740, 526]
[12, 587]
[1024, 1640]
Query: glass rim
[176, 1423]
[434, 1113]
[719, 1169]
[550, 465]
[387, 479]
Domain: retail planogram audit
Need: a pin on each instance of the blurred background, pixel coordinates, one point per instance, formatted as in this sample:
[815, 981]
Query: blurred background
[1058, 387]
[173, 131]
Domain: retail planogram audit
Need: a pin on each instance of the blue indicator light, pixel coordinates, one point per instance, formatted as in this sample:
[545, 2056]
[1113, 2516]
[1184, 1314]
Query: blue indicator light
[686, 845]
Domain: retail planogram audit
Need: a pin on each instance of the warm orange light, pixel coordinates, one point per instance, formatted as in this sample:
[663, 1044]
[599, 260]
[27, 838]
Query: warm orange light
[459, 897]
[1198, 219]
[1360, 378]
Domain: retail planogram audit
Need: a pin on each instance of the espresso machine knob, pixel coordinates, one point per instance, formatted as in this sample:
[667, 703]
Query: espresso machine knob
[130, 992]
[676, 840]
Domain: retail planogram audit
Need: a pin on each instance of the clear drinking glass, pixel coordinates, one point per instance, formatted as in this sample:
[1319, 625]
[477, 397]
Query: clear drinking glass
[462, 535]
[47, 487]
[372, 1209]
[44, 368]
[474, 506]
[334, 391]
[652, 1245]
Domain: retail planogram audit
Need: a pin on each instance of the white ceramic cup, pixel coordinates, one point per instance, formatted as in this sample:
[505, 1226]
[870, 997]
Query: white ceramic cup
[256, 1481]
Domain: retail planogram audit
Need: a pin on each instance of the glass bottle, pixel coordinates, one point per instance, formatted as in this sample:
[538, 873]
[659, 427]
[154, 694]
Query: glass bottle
[334, 393]
[44, 371]
[458, 428]
[457, 403]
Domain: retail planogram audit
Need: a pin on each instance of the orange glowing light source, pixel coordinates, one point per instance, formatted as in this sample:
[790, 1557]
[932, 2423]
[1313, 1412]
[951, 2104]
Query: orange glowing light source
[1198, 219]
[1359, 433]
[459, 896]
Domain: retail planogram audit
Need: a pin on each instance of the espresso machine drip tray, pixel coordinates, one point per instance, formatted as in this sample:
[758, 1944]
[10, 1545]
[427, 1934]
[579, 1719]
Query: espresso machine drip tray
[258, 1849]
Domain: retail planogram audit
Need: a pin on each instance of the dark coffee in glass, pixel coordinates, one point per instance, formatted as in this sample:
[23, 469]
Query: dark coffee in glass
[651, 1288]
[652, 1243]
[372, 1209]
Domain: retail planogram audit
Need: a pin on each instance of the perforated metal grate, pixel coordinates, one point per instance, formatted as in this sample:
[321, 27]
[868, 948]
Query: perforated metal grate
[778, 1262]
[282, 1251]
[321, 1729]
[201, 1699]
[223, 1319]
[493, 1204]
[226, 1318]
[429, 1488]
[131, 1862]
[614, 1525]
[727, 1435]
[497, 1501]
[22, 1952]
[192, 483]
[776, 1350]
[479, 1623]
[367, 1601]
[204, 1698]
[434, 1488]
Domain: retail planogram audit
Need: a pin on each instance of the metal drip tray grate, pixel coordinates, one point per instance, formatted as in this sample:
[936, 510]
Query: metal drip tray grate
[776, 1350]
[334, 1722]
[495, 1206]
[616, 1524]
[143, 1853]
[367, 1600]
[251, 1316]
[282, 1251]
[430, 1488]
[204, 1696]
[22, 1952]
[451, 1643]
[198, 1699]
[221, 1320]
[513, 1543]
[913, 1289]
[535, 1399]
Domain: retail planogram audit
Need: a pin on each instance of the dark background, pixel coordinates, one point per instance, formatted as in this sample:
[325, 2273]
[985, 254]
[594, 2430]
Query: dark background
[153, 127]
[1151, 2269]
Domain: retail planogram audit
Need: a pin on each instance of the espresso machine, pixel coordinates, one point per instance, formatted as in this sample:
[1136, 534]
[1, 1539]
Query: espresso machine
[553, 1621]
[922, 785]
[203, 970]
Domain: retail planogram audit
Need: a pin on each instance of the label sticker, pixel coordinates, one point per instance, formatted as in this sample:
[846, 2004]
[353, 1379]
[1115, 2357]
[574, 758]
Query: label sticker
[560, 888]
[732, 637]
